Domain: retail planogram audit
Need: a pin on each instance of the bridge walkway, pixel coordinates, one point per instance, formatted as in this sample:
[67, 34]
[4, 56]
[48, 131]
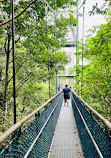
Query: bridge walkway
[66, 142]
[47, 136]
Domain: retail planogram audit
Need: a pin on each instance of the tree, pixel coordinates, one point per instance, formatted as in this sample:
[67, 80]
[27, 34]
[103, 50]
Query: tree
[104, 9]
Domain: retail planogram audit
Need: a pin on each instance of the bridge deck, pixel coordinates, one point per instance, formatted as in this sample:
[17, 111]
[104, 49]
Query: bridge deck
[66, 142]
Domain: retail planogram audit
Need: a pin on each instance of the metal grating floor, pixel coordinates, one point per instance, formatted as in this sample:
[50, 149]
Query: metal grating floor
[66, 142]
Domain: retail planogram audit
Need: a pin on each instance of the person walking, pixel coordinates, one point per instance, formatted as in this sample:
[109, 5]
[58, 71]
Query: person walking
[58, 88]
[66, 92]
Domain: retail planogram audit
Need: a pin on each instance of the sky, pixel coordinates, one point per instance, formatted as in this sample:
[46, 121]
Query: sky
[92, 20]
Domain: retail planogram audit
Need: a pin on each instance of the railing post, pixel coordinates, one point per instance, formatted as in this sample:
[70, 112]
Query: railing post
[106, 131]
[91, 113]
[37, 115]
[45, 107]
[20, 131]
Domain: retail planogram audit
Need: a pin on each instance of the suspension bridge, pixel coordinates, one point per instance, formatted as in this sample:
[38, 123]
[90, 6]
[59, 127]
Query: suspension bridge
[61, 131]
[55, 130]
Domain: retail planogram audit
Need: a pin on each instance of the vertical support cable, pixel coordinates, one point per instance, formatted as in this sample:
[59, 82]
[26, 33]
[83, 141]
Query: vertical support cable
[55, 47]
[73, 32]
[13, 57]
[82, 49]
[46, 9]
[56, 79]
[76, 49]
[56, 82]
[77, 40]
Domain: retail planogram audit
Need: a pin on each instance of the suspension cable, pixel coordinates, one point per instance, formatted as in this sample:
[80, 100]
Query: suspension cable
[48, 5]
[77, 61]
[47, 44]
[82, 48]
[76, 47]
[81, 5]
[56, 81]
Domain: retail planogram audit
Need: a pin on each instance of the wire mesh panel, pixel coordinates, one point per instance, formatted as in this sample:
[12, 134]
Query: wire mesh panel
[102, 139]
[23, 141]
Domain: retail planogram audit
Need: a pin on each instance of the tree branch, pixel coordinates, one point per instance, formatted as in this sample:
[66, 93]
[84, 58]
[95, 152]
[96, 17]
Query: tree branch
[5, 22]
[20, 85]
[15, 42]
[17, 70]
[5, 45]
[3, 0]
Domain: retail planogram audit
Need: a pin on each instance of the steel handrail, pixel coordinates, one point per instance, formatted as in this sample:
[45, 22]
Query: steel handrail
[13, 128]
[99, 116]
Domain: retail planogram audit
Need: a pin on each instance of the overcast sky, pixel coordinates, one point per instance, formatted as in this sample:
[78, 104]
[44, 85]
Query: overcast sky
[92, 20]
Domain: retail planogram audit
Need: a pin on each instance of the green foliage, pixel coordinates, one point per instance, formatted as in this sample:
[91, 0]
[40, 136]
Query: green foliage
[35, 56]
[104, 9]
[96, 83]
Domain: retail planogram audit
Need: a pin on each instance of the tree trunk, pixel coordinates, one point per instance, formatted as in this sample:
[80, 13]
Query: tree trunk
[6, 73]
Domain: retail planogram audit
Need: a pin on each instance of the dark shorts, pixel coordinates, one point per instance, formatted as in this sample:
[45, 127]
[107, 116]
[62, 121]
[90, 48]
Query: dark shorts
[66, 96]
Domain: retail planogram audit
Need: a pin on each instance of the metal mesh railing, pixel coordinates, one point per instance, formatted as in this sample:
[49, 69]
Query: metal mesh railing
[98, 133]
[35, 139]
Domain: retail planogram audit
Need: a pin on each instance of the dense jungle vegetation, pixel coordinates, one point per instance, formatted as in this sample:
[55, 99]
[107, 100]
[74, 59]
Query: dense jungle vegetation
[96, 82]
[37, 60]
